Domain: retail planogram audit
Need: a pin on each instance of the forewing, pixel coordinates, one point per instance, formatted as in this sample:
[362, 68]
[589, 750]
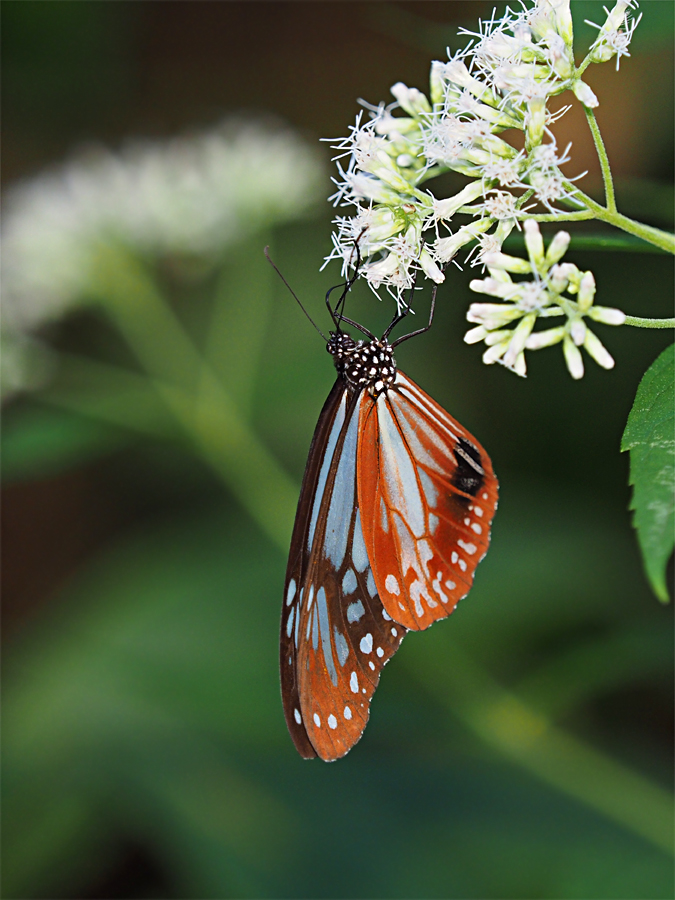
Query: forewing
[431, 493]
[336, 636]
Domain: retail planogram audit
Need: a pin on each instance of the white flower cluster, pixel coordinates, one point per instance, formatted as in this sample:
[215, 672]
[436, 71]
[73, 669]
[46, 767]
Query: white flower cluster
[192, 195]
[503, 80]
[556, 289]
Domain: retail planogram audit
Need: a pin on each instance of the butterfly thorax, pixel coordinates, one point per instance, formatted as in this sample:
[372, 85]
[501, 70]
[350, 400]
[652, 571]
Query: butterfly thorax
[368, 365]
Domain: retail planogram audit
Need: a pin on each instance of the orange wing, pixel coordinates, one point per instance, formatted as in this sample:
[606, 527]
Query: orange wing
[427, 494]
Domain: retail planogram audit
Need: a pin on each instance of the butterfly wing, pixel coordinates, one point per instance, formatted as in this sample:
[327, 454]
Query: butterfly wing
[335, 634]
[431, 494]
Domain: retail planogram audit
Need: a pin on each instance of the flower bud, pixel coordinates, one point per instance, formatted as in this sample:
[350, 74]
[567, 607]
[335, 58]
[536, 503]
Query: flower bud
[445, 209]
[457, 73]
[491, 286]
[586, 292]
[436, 91]
[492, 354]
[534, 244]
[583, 93]
[430, 268]
[520, 366]
[536, 121]
[446, 248]
[575, 363]
[377, 272]
[595, 349]
[475, 335]
[578, 331]
[371, 188]
[507, 263]
[557, 248]
[520, 335]
[410, 99]
[545, 338]
[607, 315]
[496, 337]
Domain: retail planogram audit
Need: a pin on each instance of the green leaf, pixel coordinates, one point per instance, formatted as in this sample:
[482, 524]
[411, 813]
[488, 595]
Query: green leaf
[650, 437]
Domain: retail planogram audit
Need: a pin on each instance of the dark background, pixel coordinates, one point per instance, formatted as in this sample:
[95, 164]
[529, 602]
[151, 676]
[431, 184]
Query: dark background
[146, 753]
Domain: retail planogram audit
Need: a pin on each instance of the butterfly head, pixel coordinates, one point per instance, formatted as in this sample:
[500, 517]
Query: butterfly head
[365, 365]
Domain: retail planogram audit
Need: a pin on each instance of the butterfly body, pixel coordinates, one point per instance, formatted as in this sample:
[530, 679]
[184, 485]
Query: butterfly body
[393, 517]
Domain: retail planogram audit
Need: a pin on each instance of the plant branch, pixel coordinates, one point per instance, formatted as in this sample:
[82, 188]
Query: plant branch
[663, 239]
[580, 216]
[610, 199]
[639, 322]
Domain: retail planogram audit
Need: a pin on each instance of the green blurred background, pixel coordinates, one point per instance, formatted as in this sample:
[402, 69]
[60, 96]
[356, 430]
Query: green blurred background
[521, 749]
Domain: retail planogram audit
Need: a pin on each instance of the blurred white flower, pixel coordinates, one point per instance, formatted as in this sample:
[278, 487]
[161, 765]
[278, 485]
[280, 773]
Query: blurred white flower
[192, 195]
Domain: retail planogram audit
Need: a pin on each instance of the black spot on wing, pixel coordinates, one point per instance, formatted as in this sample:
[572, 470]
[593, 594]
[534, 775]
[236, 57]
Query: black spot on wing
[469, 476]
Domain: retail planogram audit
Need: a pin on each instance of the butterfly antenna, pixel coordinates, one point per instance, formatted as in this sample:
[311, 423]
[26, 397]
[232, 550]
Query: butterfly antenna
[270, 261]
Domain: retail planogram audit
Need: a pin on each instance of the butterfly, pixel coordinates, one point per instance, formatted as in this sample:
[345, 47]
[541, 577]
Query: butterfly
[394, 516]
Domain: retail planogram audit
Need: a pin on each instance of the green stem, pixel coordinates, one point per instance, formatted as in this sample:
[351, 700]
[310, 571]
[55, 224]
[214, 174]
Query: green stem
[214, 424]
[663, 239]
[581, 68]
[548, 752]
[610, 199]
[562, 217]
[639, 322]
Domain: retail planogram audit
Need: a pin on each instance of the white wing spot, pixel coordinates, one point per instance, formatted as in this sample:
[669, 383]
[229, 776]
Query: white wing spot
[385, 614]
[349, 582]
[363, 690]
[394, 632]
[485, 496]
[332, 721]
[467, 521]
[289, 625]
[355, 611]
[391, 585]
[380, 652]
[450, 585]
[348, 713]
[359, 552]
[433, 523]
[436, 584]
[370, 584]
[310, 598]
[477, 528]
[372, 665]
[366, 644]
[478, 511]
[454, 557]
[470, 548]
[292, 587]
[341, 646]
[297, 716]
[317, 720]
[354, 683]
[384, 521]
[462, 565]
